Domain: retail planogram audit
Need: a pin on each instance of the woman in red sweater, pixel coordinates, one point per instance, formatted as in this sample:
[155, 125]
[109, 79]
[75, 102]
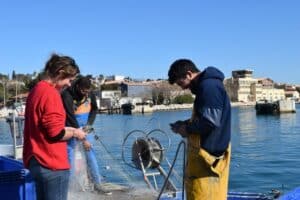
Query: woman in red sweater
[45, 134]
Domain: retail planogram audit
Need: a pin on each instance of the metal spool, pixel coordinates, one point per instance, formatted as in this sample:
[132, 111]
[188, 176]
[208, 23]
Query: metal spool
[148, 151]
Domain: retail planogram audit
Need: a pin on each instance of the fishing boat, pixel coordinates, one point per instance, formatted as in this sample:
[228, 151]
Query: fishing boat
[147, 153]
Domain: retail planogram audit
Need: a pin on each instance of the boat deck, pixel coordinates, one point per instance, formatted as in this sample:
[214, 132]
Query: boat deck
[142, 194]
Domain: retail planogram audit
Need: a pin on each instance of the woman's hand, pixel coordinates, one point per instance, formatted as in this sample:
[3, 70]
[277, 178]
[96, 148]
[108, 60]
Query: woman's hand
[79, 134]
[87, 145]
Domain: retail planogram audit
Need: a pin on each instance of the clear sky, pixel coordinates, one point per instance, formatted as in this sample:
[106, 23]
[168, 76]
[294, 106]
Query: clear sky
[141, 38]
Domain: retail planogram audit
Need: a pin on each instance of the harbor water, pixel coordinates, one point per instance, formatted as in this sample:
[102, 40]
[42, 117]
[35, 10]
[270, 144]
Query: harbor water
[265, 148]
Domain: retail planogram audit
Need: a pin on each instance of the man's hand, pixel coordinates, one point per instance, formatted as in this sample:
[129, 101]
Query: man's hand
[87, 146]
[180, 128]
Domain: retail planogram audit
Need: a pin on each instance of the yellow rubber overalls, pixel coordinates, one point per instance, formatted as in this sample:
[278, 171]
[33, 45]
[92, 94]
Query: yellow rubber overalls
[206, 176]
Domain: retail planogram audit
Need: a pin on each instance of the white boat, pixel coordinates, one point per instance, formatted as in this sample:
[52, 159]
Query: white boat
[4, 112]
[18, 110]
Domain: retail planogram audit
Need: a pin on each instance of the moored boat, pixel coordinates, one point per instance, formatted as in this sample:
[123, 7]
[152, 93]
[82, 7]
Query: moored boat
[275, 107]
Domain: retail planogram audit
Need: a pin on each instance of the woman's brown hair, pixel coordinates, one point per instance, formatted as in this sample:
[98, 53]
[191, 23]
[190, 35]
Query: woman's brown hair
[61, 67]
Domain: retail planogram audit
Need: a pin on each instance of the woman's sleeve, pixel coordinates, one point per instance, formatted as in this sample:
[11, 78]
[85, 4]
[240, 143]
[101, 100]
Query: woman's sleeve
[53, 114]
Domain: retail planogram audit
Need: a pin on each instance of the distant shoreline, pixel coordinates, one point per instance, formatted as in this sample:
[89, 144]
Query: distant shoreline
[242, 104]
[190, 106]
[173, 107]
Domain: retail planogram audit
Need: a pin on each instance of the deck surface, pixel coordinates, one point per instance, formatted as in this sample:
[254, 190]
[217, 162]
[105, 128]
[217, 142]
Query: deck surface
[116, 195]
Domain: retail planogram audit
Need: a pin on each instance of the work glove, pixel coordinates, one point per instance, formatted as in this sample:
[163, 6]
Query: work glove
[179, 127]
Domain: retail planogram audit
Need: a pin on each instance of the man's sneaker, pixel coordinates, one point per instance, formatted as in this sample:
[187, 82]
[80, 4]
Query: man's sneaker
[100, 188]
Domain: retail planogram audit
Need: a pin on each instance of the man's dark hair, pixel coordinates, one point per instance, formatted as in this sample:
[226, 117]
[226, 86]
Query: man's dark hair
[179, 69]
[83, 82]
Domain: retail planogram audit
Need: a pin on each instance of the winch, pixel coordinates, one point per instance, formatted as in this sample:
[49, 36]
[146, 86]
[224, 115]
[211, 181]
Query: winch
[147, 153]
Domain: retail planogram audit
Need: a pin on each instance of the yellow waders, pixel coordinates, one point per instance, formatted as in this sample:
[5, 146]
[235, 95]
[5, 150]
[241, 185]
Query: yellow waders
[206, 175]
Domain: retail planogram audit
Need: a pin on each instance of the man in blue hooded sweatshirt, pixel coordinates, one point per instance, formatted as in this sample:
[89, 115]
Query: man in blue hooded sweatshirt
[207, 131]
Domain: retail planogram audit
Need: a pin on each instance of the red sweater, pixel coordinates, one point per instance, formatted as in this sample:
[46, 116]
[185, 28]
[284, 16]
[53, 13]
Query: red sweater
[45, 118]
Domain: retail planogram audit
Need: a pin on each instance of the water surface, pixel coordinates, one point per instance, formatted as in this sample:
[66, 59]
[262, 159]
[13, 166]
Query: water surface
[265, 148]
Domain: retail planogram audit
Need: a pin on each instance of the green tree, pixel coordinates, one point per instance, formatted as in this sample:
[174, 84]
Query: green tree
[4, 77]
[181, 99]
[160, 99]
[114, 86]
[13, 75]
[31, 83]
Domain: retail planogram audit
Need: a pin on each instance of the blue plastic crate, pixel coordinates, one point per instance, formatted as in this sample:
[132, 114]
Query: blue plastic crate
[16, 182]
[292, 195]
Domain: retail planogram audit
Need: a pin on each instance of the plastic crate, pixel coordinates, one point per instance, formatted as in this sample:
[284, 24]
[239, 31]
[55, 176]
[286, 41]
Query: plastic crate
[16, 182]
[292, 195]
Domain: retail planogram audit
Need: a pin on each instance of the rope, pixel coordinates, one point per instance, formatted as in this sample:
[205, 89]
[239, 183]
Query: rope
[97, 138]
[171, 169]
[177, 176]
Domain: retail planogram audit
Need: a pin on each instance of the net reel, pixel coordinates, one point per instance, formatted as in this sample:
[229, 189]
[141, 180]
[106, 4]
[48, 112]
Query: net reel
[147, 154]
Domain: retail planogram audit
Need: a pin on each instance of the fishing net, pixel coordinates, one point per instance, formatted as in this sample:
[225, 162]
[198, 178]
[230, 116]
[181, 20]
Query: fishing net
[79, 179]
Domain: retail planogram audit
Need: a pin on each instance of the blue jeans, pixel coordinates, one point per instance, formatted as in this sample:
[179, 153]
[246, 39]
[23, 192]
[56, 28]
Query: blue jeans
[93, 168]
[50, 184]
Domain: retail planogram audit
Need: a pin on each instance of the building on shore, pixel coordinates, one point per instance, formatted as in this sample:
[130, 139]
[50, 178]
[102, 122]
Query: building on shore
[136, 89]
[242, 87]
[272, 94]
[290, 91]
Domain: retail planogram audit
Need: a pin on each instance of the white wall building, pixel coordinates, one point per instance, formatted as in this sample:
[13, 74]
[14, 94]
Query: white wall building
[242, 87]
[110, 98]
[110, 94]
[292, 95]
[272, 94]
[115, 78]
[132, 100]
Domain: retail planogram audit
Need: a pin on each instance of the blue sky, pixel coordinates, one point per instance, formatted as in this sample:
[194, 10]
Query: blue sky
[140, 38]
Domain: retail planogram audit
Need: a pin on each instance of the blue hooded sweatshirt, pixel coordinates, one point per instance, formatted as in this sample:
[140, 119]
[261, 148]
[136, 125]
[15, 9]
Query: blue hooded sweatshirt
[213, 111]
